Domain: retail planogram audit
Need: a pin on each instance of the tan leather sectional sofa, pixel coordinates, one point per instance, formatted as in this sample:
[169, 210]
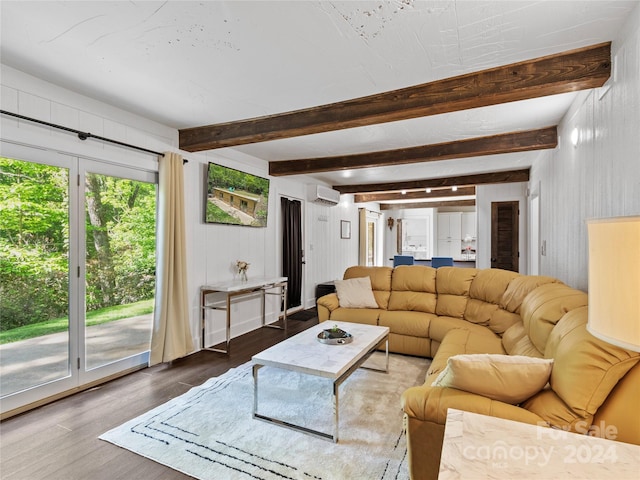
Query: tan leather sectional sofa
[452, 311]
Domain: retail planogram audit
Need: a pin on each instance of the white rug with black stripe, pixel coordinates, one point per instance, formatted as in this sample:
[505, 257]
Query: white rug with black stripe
[209, 432]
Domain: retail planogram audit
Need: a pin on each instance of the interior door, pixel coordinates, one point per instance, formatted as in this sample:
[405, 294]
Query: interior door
[504, 235]
[292, 250]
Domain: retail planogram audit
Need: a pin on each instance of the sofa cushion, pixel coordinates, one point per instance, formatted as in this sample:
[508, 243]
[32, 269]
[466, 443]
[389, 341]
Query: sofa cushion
[501, 320]
[507, 378]
[380, 281]
[413, 288]
[409, 345]
[430, 404]
[490, 284]
[485, 294]
[452, 285]
[441, 325]
[407, 323]
[355, 293]
[516, 342]
[479, 312]
[615, 410]
[368, 316]
[519, 288]
[586, 368]
[585, 371]
[545, 306]
[462, 341]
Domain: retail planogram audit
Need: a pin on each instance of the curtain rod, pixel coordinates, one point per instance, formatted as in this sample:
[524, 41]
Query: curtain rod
[83, 135]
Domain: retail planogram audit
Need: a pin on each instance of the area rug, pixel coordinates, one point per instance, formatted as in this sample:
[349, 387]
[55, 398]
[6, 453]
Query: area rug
[209, 432]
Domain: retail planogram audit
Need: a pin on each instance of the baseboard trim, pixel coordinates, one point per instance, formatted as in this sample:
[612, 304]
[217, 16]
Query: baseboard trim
[67, 393]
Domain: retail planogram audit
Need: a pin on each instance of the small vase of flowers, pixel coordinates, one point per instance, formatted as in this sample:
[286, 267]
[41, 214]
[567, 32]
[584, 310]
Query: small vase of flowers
[242, 267]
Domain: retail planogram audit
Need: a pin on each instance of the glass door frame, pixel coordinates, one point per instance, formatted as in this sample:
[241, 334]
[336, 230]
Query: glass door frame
[53, 388]
[77, 376]
[127, 363]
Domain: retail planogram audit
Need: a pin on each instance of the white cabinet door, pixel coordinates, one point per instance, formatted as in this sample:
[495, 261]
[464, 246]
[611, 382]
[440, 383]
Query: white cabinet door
[468, 225]
[443, 226]
[450, 247]
[449, 225]
[450, 235]
[455, 225]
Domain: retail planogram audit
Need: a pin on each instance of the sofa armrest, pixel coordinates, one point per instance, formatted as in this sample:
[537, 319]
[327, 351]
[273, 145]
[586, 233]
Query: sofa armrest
[430, 404]
[327, 304]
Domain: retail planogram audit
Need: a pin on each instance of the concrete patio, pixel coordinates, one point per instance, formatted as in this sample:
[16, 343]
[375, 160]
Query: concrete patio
[38, 360]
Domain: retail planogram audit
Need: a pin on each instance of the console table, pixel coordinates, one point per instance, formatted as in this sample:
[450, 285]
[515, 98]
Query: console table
[238, 288]
[479, 446]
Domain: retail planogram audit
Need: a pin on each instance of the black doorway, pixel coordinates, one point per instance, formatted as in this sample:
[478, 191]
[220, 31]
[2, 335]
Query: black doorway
[504, 235]
[292, 251]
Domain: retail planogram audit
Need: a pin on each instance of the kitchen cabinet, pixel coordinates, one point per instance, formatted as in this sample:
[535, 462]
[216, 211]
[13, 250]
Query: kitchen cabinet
[468, 225]
[449, 242]
[449, 225]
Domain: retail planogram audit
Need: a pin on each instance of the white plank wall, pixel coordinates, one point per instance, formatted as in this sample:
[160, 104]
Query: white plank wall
[600, 176]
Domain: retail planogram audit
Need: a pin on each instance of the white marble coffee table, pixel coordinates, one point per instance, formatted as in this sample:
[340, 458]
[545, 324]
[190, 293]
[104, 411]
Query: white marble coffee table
[303, 353]
[480, 446]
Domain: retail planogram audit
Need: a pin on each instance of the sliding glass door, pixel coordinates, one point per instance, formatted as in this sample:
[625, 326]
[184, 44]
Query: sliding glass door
[77, 273]
[119, 232]
[35, 285]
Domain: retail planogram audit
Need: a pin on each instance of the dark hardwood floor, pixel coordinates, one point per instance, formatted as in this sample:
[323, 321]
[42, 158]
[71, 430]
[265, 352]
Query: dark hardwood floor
[60, 440]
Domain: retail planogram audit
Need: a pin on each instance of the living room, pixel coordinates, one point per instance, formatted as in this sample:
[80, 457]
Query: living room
[597, 176]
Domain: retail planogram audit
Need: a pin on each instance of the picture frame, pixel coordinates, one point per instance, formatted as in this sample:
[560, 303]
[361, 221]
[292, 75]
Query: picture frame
[345, 229]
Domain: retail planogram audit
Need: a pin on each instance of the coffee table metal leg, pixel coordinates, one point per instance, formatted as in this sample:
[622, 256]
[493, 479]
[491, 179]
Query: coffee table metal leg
[255, 388]
[336, 413]
[386, 353]
[327, 436]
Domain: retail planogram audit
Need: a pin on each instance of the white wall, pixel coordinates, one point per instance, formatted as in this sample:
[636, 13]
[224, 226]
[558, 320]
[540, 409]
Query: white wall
[212, 249]
[328, 255]
[600, 176]
[505, 192]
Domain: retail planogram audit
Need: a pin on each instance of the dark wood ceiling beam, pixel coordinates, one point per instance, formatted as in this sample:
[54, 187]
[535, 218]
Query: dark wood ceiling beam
[460, 181]
[407, 206]
[579, 69]
[415, 195]
[529, 140]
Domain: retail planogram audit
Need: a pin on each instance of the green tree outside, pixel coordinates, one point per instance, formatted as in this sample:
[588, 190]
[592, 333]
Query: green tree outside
[34, 242]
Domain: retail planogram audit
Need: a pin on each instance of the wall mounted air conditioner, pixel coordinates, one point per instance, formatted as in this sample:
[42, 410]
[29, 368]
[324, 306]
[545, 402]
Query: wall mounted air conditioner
[325, 195]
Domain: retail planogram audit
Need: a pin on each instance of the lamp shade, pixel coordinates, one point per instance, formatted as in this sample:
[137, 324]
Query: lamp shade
[614, 281]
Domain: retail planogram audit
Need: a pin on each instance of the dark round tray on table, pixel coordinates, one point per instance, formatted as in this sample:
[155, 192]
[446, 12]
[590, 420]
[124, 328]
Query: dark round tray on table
[335, 336]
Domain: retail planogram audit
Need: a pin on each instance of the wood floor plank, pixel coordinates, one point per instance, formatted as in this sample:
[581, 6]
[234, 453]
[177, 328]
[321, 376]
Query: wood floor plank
[60, 440]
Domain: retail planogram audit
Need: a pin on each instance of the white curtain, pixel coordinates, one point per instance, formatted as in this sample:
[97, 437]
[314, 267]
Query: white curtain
[171, 335]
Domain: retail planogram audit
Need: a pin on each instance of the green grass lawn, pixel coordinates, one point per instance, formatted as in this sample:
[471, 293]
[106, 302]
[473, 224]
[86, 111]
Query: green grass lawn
[96, 317]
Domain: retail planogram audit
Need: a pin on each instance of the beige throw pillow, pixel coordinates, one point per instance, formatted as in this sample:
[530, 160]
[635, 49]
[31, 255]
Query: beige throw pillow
[355, 293]
[507, 378]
